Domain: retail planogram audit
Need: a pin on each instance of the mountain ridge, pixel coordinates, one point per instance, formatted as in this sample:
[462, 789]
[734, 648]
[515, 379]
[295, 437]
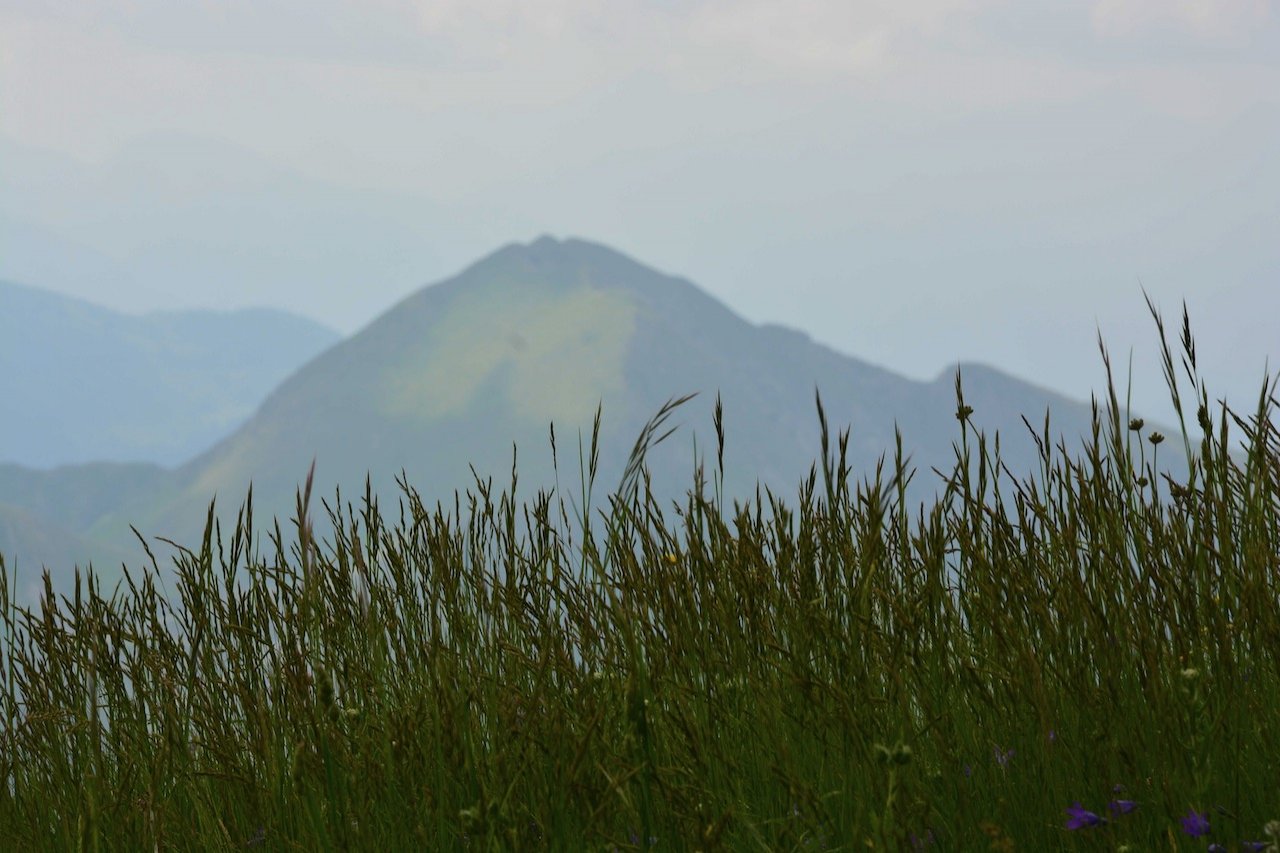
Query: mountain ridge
[97, 384]
[441, 385]
[508, 324]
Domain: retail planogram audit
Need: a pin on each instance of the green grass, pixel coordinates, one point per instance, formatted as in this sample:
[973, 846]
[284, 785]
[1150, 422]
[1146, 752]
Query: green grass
[842, 672]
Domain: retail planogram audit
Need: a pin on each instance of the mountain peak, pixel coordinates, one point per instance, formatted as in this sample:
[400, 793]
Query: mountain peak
[548, 246]
[443, 386]
[559, 264]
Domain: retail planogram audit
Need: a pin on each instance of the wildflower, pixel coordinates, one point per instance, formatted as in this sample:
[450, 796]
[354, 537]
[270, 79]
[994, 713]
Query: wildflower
[920, 843]
[968, 771]
[1217, 848]
[1078, 817]
[1053, 735]
[1155, 438]
[1136, 424]
[1195, 824]
[1003, 756]
[1119, 807]
[1253, 846]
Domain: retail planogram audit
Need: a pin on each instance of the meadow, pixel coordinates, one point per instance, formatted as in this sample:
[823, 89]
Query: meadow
[1086, 657]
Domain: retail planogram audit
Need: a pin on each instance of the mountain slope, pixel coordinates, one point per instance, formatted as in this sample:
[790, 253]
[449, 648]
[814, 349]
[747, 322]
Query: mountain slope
[31, 543]
[446, 381]
[82, 383]
[456, 373]
[76, 496]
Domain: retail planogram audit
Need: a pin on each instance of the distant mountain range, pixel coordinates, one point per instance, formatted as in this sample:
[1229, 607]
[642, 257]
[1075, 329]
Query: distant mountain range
[82, 383]
[449, 378]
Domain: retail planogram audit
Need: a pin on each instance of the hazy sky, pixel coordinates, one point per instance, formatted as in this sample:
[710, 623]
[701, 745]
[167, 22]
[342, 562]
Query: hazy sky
[913, 183]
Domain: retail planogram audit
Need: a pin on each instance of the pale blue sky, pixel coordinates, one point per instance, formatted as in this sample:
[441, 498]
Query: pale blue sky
[913, 183]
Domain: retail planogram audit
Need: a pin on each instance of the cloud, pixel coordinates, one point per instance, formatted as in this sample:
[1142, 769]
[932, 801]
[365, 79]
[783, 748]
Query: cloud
[1206, 19]
[321, 78]
[805, 36]
[368, 31]
[821, 34]
[468, 18]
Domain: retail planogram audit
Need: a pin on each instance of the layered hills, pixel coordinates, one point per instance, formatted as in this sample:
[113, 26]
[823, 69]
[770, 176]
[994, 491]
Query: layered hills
[82, 383]
[441, 386]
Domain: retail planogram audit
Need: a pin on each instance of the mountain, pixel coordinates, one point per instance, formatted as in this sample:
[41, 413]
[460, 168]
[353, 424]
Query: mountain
[453, 375]
[77, 496]
[450, 377]
[83, 383]
[29, 542]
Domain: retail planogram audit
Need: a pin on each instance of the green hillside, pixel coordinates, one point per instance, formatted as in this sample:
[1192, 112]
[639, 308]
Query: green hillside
[445, 382]
[32, 544]
[540, 333]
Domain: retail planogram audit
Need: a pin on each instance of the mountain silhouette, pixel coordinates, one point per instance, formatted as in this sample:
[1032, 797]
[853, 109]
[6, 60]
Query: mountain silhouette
[442, 385]
[82, 383]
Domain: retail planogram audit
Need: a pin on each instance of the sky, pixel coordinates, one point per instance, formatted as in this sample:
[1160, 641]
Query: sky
[911, 183]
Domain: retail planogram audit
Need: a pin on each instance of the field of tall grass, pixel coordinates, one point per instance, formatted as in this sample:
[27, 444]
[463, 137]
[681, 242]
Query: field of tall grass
[1084, 658]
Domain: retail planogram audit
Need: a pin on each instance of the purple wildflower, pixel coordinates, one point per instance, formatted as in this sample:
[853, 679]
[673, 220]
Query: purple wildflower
[1003, 756]
[1195, 824]
[1078, 817]
[1217, 848]
[918, 843]
[968, 770]
[1253, 846]
[1119, 807]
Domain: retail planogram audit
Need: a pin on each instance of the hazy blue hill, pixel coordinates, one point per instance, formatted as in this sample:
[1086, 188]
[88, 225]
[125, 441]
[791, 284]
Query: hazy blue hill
[543, 332]
[30, 543]
[77, 496]
[82, 383]
[75, 515]
[532, 334]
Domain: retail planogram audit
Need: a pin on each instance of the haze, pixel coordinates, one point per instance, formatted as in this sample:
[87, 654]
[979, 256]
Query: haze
[911, 183]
